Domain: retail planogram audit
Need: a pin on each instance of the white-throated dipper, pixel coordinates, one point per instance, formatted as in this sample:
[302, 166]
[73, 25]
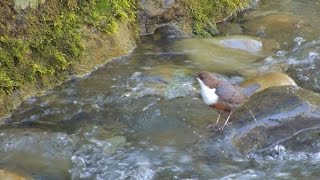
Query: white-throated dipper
[222, 95]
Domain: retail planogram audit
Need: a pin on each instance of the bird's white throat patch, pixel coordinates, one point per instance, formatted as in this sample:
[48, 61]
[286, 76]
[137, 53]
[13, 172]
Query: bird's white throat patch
[209, 96]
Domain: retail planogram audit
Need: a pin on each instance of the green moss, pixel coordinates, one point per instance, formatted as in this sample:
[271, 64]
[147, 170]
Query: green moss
[46, 41]
[205, 13]
[105, 14]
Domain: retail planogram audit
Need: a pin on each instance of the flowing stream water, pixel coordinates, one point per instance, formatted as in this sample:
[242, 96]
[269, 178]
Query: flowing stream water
[140, 116]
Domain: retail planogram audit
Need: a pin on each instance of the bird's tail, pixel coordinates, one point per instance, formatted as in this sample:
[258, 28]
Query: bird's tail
[251, 89]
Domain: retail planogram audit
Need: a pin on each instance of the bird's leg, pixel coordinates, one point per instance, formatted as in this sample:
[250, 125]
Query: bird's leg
[220, 112]
[222, 127]
[217, 121]
[253, 115]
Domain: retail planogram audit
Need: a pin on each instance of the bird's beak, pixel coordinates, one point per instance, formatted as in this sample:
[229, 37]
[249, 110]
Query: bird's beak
[193, 75]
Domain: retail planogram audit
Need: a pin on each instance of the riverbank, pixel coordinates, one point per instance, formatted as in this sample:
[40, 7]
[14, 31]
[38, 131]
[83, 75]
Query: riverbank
[45, 43]
[141, 116]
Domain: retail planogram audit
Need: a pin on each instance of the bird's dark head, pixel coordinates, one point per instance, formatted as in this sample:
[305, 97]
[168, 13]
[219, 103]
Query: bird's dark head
[209, 79]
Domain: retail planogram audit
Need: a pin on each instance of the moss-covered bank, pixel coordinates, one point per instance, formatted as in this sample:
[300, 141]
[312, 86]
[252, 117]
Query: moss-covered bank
[206, 13]
[42, 43]
[191, 16]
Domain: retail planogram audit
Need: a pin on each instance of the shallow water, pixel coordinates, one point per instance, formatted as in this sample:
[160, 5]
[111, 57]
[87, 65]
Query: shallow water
[140, 116]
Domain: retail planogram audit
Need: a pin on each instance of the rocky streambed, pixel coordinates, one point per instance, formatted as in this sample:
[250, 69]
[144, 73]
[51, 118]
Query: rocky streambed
[141, 116]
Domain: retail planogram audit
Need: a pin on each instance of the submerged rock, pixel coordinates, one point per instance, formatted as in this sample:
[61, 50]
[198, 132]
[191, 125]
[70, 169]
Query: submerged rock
[307, 142]
[244, 43]
[281, 26]
[303, 64]
[269, 80]
[281, 112]
[7, 175]
[227, 54]
[169, 32]
[306, 75]
[45, 154]
[150, 114]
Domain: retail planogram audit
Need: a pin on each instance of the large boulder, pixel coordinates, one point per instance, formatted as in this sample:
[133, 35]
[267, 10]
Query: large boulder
[45, 154]
[280, 111]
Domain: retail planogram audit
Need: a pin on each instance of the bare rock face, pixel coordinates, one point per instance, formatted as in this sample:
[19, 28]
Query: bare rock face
[163, 12]
[23, 4]
[100, 47]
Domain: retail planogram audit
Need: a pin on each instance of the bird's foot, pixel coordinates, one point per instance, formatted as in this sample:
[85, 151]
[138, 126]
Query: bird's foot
[254, 118]
[211, 126]
[222, 127]
[217, 121]
[214, 126]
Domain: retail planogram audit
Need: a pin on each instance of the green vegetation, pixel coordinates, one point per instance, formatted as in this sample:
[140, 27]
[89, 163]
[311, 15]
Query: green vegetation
[105, 14]
[40, 45]
[205, 13]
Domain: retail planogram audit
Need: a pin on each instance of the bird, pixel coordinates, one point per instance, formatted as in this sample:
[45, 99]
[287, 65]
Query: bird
[223, 95]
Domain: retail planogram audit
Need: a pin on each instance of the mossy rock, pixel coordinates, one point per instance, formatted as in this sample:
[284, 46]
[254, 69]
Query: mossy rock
[190, 16]
[23, 4]
[206, 13]
[43, 46]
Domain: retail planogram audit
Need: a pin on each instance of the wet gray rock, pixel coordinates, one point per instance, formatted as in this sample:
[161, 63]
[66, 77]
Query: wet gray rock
[248, 44]
[169, 32]
[306, 75]
[212, 54]
[301, 146]
[46, 154]
[280, 26]
[304, 65]
[151, 114]
[281, 112]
